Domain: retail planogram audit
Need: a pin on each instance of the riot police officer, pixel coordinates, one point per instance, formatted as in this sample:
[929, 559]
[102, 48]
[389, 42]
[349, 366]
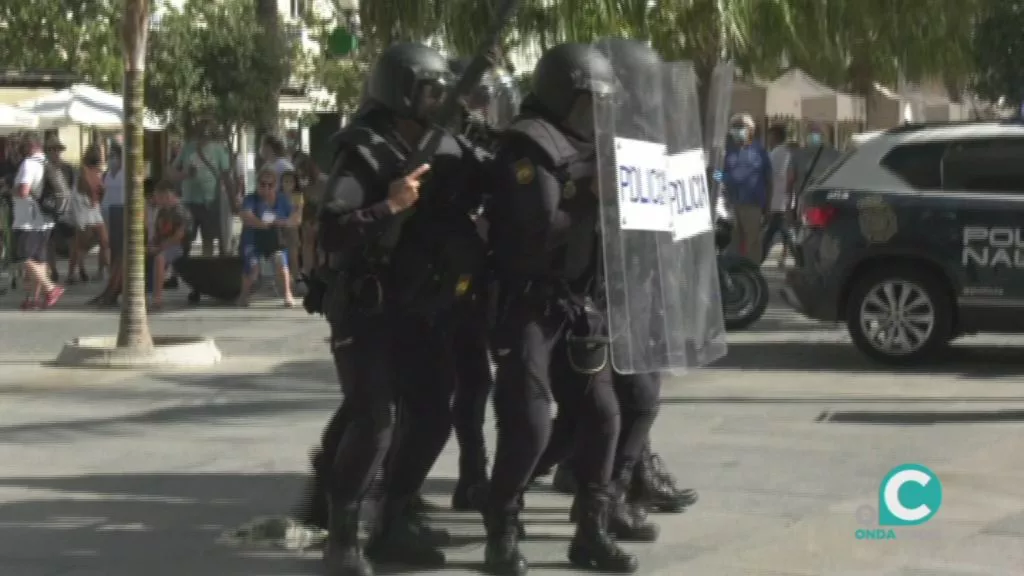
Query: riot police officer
[487, 111]
[398, 257]
[640, 479]
[548, 333]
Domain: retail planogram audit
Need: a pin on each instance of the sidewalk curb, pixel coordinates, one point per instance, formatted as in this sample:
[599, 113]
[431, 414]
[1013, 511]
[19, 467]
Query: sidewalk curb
[167, 352]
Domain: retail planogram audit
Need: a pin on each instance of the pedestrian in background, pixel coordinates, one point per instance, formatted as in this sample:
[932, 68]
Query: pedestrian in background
[781, 189]
[32, 226]
[811, 161]
[748, 180]
[88, 217]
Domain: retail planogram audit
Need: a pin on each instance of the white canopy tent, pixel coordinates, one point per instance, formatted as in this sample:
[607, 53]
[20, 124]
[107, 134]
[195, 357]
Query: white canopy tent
[13, 119]
[889, 108]
[82, 105]
[748, 98]
[782, 99]
[819, 102]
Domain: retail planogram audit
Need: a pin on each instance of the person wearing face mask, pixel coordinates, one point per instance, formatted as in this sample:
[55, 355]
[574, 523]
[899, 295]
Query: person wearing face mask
[748, 180]
[811, 161]
[395, 242]
[544, 223]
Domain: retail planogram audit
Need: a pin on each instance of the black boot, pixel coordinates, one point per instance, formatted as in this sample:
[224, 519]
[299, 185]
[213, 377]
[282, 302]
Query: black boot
[655, 488]
[312, 510]
[502, 556]
[592, 547]
[565, 479]
[416, 513]
[470, 493]
[626, 522]
[399, 538]
[343, 556]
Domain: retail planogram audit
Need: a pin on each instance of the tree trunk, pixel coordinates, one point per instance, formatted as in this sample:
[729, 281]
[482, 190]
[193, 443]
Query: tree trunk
[862, 82]
[266, 12]
[133, 331]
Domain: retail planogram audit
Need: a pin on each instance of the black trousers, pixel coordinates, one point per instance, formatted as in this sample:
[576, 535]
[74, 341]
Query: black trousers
[473, 385]
[639, 397]
[533, 369]
[392, 367]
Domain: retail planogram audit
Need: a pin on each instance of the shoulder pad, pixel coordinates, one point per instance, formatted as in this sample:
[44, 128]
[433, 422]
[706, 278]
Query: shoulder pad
[379, 154]
[554, 144]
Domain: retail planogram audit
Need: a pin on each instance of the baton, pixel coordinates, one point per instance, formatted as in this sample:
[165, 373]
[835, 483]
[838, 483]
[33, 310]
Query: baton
[485, 58]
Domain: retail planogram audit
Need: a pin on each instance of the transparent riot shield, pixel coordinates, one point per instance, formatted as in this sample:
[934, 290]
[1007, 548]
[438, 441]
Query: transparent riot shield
[646, 314]
[717, 112]
[688, 149]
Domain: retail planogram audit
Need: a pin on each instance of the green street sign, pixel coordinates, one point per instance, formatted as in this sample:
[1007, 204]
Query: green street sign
[342, 42]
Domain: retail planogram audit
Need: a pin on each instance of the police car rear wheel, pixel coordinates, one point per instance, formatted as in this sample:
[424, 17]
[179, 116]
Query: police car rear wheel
[899, 315]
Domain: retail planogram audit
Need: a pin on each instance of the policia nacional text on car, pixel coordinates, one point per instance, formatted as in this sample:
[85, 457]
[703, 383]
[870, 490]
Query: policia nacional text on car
[547, 336]
[388, 299]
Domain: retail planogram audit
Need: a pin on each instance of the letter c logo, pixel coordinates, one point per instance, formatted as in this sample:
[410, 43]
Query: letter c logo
[910, 495]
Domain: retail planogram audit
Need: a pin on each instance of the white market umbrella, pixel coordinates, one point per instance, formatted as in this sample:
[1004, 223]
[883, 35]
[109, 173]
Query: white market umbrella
[13, 119]
[82, 105]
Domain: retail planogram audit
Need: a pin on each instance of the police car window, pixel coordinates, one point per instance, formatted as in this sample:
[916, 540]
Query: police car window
[919, 165]
[833, 167]
[995, 165]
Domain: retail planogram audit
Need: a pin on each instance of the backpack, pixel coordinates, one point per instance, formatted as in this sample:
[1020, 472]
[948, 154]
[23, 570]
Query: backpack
[55, 199]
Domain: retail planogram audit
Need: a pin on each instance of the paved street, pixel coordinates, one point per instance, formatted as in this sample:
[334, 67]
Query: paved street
[126, 474]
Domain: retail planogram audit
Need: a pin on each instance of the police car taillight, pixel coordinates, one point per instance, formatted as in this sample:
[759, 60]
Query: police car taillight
[818, 216]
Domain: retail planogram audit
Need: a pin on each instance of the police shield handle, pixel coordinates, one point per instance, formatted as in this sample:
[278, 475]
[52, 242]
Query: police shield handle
[404, 192]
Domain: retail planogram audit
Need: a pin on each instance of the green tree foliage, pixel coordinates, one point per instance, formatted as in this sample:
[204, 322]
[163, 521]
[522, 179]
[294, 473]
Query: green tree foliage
[77, 36]
[851, 44]
[999, 52]
[214, 59]
[343, 76]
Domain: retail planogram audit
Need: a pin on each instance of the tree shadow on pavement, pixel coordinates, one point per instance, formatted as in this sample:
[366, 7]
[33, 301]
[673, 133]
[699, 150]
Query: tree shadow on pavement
[968, 361]
[167, 525]
[129, 525]
[303, 375]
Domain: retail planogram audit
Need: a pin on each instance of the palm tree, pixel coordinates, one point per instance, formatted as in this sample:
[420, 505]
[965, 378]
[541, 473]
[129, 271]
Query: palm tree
[133, 331]
[266, 11]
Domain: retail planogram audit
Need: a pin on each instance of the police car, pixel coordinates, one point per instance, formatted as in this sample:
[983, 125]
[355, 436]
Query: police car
[916, 237]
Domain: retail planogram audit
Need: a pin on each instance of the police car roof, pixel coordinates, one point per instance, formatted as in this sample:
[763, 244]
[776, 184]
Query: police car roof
[940, 131]
[861, 169]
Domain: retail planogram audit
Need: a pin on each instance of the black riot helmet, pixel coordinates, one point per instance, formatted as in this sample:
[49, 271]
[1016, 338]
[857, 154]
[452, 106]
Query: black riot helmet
[567, 71]
[639, 70]
[409, 80]
[636, 65]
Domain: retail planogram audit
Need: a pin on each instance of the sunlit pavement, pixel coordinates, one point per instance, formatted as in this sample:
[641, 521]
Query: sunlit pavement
[124, 474]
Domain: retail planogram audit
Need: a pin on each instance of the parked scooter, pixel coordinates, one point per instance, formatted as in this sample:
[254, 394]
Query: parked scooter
[744, 288]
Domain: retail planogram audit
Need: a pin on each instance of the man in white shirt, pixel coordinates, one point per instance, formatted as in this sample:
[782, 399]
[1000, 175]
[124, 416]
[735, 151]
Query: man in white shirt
[32, 228]
[781, 191]
[274, 154]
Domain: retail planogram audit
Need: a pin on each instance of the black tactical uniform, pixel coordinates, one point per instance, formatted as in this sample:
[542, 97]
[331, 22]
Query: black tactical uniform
[639, 475]
[488, 111]
[388, 301]
[547, 337]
